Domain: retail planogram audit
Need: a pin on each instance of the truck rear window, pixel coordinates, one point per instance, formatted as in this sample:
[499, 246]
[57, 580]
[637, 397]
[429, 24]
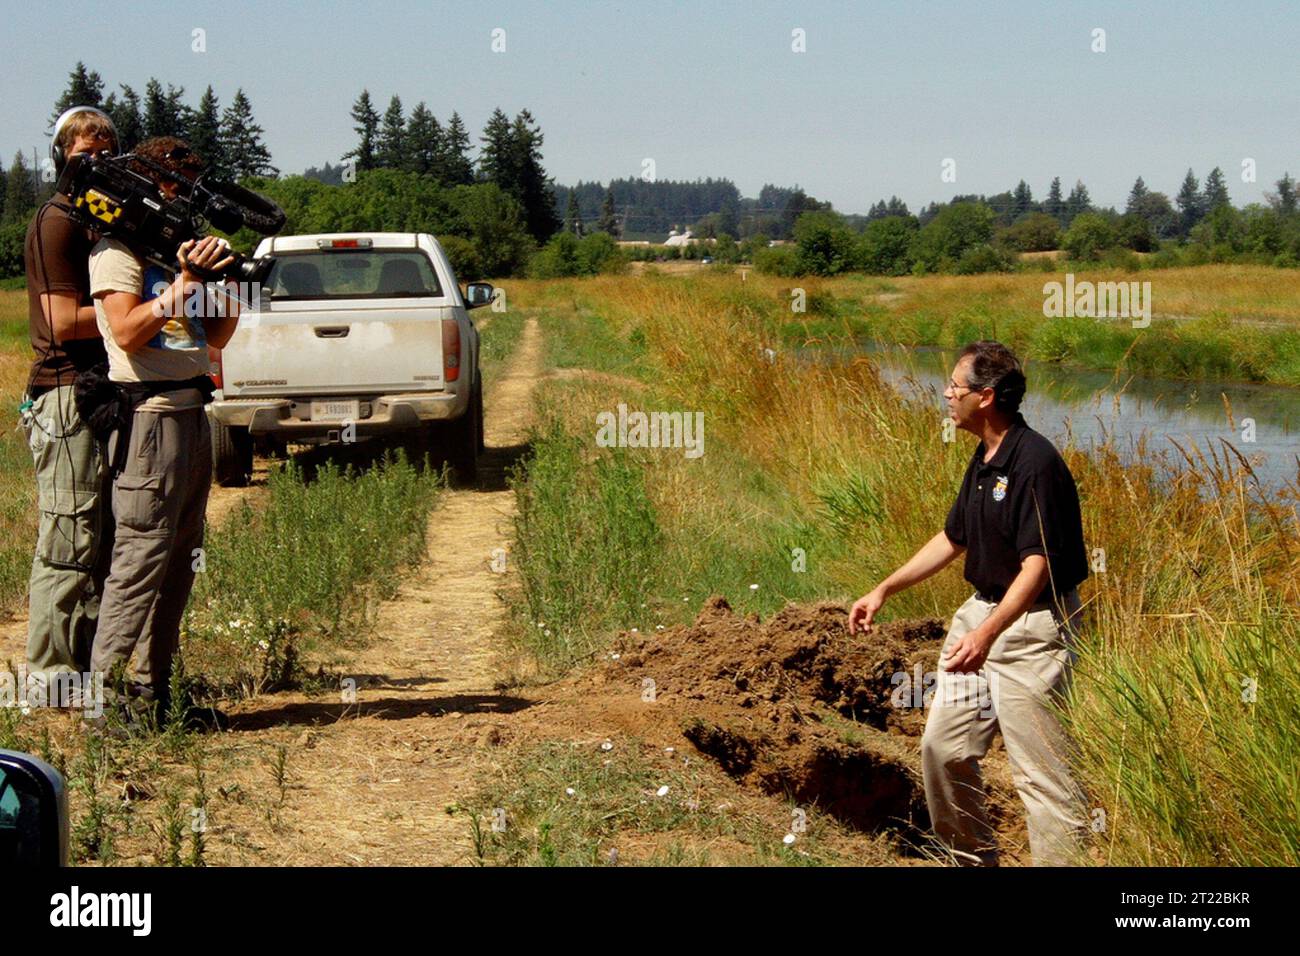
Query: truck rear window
[352, 274]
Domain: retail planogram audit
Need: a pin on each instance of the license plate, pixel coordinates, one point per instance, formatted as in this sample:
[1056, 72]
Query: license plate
[336, 411]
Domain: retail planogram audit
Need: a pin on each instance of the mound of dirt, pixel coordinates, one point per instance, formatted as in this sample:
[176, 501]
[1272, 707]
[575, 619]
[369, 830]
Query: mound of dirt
[794, 705]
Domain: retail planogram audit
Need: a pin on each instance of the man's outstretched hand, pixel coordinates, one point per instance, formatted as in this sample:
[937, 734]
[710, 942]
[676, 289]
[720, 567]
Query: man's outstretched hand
[864, 609]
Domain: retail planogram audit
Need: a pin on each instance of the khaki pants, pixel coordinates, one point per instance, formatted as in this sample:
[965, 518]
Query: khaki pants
[74, 538]
[159, 500]
[1027, 669]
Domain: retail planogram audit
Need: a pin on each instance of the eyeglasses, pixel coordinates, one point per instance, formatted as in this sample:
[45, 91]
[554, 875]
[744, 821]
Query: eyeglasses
[953, 387]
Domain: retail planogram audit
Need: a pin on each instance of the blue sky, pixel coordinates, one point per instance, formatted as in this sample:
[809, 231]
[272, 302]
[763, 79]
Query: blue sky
[884, 93]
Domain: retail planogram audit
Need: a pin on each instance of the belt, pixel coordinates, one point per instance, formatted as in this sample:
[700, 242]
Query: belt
[1065, 599]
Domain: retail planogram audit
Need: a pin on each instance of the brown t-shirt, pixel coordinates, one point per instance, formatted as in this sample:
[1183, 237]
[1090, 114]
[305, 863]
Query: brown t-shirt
[58, 260]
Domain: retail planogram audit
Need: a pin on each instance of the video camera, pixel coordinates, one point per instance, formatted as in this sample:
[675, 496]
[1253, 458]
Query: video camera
[112, 199]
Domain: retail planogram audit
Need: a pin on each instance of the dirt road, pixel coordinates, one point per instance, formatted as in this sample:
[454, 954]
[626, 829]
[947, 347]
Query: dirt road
[371, 770]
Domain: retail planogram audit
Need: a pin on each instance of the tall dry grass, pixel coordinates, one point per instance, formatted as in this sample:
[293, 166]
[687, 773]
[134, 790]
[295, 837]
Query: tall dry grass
[1186, 705]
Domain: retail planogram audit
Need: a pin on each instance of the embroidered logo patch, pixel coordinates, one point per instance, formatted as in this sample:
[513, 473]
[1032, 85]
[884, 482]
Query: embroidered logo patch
[1000, 488]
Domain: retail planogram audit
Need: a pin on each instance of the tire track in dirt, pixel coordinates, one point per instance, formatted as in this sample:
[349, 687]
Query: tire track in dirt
[368, 782]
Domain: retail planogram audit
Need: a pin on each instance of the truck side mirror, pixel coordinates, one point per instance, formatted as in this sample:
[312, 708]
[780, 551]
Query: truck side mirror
[477, 294]
[33, 813]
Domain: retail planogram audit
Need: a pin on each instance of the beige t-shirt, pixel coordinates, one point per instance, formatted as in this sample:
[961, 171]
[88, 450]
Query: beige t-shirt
[179, 350]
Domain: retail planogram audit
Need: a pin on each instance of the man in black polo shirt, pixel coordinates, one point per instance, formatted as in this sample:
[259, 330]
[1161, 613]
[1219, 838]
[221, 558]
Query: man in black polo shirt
[1010, 647]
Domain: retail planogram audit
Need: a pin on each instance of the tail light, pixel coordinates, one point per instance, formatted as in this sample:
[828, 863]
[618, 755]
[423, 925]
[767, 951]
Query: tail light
[450, 350]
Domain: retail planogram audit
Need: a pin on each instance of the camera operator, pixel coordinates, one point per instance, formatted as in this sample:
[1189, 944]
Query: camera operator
[161, 454]
[75, 530]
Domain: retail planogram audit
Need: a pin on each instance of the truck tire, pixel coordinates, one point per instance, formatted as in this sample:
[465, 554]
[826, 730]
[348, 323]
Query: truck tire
[465, 437]
[232, 455]
[478, 400]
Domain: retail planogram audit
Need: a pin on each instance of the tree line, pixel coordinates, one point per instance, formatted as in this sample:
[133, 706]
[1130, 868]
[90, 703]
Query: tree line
[972, 234]
[510, 155]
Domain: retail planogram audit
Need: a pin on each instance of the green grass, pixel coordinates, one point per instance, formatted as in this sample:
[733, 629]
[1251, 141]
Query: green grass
[615, 805]
[588, 341]
[302, 572]
[586, 538]
[17, 514]
[499, 333]
[1199, 766]
[610, 539]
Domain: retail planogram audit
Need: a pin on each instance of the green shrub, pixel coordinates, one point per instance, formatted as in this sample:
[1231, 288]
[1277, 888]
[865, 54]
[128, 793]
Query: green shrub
[777, 261]
[1088, 236]
[985, 258]
[1033, 232]
[12, 237]
[825, 244]
[464, 257]
[885, 246]
[945, 238]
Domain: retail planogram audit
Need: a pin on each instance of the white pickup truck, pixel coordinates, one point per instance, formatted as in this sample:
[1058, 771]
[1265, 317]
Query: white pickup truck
[353, 335]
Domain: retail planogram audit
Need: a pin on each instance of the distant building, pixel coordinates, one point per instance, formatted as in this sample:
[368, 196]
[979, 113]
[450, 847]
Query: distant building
[679, 239]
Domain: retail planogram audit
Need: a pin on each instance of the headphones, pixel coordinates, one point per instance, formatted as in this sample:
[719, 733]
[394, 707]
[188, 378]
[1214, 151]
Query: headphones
[56, 150]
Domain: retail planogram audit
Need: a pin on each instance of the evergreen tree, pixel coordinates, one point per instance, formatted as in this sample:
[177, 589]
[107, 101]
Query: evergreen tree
[1188, 201]
[1022, 200]
[1054, 205]
[608, 216]
[894, 207]
[367, 120]
[536, 191]
[178, 113]
[155, 109]
[84, 88]
[798, 204]
[511, 157]
[496, 159]
[457, 169]
[1215, 193]
[424, 147]
[330, 175]
[2, 193]
[1135, 196]
[392, 137]
[1078, 201]
[728, 216]
[125, 113]
[205, 134]
[573, 215]
[20, 190]
[245, 154]
[164, 113]
[1286, 195]
[1159, 213]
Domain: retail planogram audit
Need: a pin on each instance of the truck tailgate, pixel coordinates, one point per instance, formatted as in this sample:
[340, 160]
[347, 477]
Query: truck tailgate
[298, 348]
